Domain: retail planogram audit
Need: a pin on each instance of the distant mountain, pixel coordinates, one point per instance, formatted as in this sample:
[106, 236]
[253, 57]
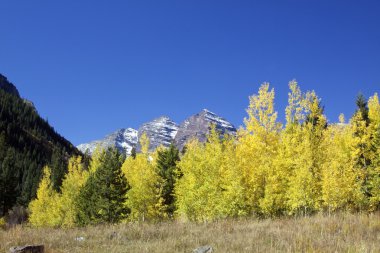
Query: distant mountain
[27, 144]
[164, 131]
[160, 131]
[198, 126]
[123, 139]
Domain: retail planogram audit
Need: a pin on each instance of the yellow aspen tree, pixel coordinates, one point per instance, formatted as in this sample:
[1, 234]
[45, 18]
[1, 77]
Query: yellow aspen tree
[144, 198]
[275, 201]
[296, 109]
[200, 166]
[340, 189]
[73, 182]
[304, 193]
[374, 170]
[233, 199]
[42, 213]
[258, 145]
[209, 187]
[187, 197]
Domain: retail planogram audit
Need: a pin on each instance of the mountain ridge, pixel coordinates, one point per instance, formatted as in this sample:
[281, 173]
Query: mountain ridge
[164, 131]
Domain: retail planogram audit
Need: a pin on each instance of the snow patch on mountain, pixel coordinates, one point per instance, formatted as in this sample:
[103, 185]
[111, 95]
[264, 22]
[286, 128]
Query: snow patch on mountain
[124, 140]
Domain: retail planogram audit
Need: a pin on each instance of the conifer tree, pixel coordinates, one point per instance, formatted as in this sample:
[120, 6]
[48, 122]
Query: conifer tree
[133, 153]
[167, 160]
[361, 148]
[102, 198]
[58, 167]
[362, 107]
[9, 188]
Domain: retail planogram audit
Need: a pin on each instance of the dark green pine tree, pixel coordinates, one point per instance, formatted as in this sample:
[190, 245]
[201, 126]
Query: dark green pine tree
[362, 107]
[133, 153]
[364, 160]
[103, 197]
[9, 189]
[314, 117]
[167, 165]
[58, 167]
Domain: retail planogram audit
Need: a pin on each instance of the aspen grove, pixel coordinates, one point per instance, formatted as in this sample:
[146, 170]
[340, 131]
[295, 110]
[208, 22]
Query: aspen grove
[269, 169]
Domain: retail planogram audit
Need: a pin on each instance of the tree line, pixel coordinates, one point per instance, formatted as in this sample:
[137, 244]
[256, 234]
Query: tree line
[267, 170]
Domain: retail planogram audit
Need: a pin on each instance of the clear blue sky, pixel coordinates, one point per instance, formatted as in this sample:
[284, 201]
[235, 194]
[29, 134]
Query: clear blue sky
[92, 67]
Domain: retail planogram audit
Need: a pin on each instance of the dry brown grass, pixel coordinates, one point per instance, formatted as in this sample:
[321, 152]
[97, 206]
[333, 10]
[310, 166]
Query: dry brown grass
[336, 233]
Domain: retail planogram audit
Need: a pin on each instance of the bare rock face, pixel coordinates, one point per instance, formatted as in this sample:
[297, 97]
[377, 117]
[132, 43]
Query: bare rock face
[198, 126]
[28, 249]
[160, 131]
[8, 86]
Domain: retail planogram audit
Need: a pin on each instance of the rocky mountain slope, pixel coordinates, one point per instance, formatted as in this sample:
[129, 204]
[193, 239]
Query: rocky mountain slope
[160, 131]
[163, 131]
[123, 139]
[198, 126]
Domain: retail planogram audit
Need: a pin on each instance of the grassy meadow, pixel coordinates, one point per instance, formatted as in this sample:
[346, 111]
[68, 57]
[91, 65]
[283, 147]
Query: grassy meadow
[319, 233]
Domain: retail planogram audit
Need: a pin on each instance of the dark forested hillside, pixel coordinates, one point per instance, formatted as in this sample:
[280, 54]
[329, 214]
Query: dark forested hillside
[27, 143]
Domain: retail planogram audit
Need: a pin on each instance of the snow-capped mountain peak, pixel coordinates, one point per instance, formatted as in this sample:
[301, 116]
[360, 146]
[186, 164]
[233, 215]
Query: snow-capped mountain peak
[123, 139]
[160, 131]
[163, 131]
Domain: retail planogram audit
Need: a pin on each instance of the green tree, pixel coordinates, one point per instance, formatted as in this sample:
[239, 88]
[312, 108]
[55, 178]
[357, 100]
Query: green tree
[362, 107]
[9, 188]
[133, 153]
[102, 198]
[361, 148]
[167, 160]
[58, 167]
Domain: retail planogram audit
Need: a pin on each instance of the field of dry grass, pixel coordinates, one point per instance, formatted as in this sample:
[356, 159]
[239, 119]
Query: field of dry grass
[336, 233]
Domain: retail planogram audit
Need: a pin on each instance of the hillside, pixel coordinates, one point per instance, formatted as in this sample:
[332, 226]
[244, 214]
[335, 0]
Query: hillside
[27, 143]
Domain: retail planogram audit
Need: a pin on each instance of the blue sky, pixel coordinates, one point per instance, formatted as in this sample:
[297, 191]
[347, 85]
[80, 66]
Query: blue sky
[92, 67]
